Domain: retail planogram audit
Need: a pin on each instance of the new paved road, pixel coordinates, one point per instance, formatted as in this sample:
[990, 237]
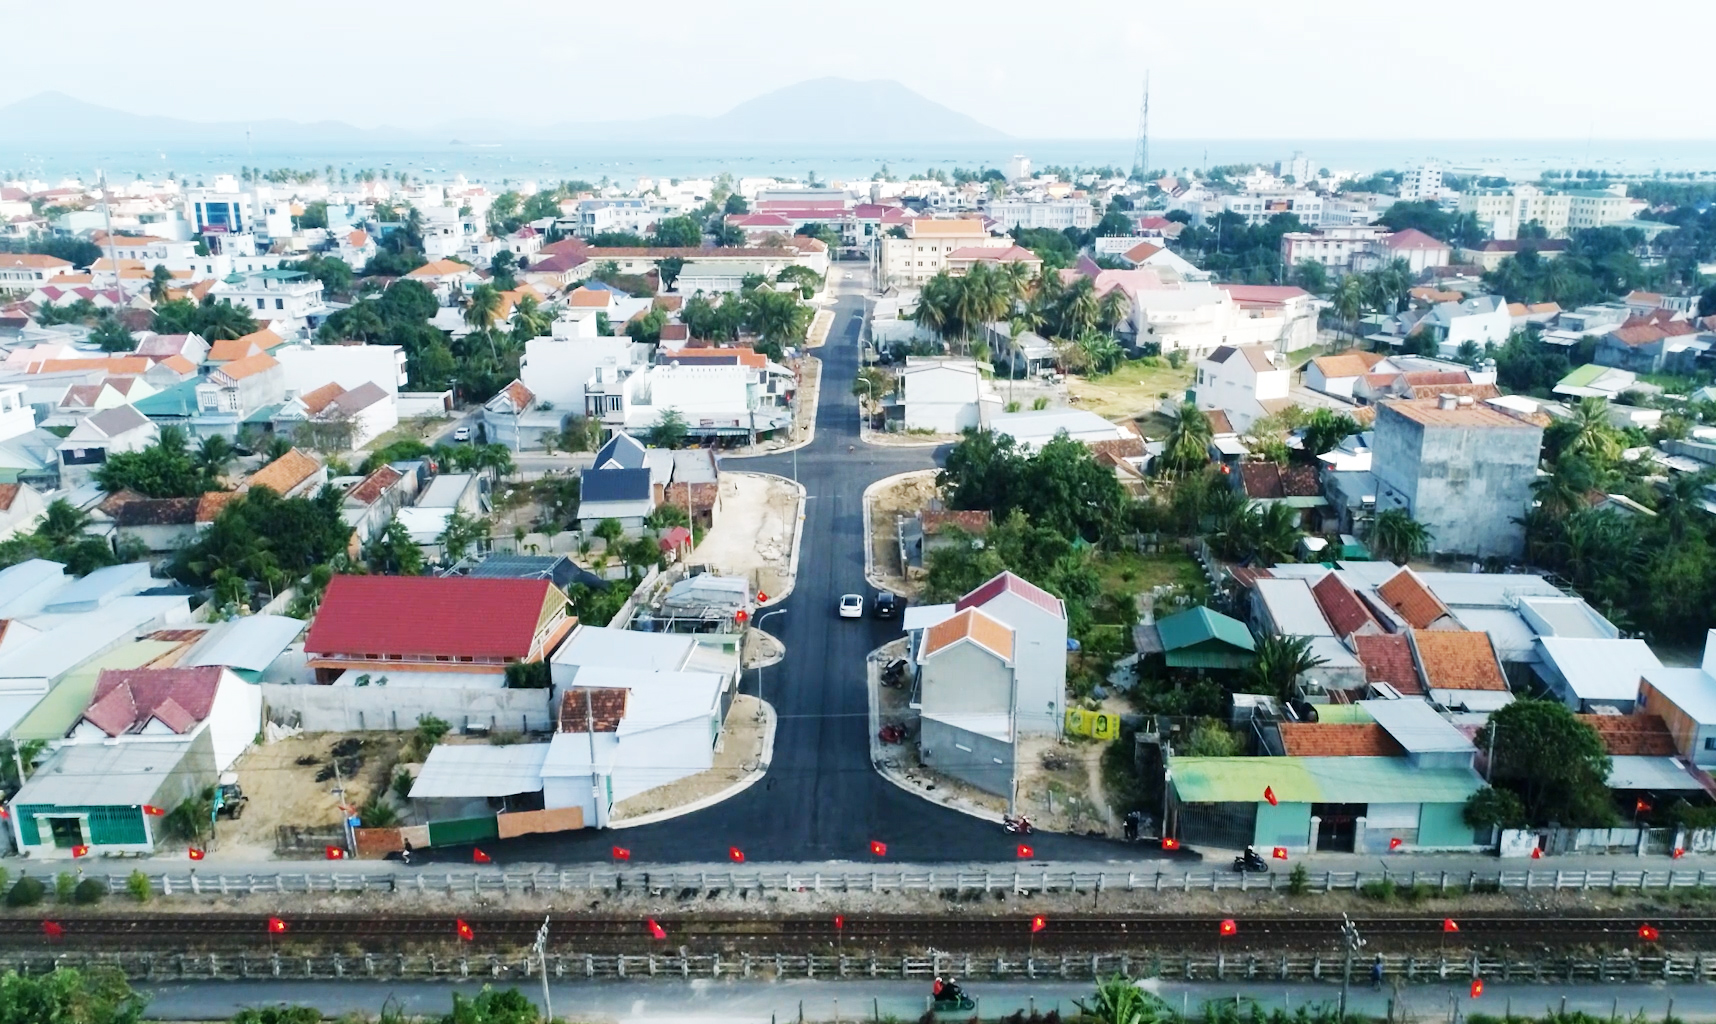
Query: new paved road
[821, 799]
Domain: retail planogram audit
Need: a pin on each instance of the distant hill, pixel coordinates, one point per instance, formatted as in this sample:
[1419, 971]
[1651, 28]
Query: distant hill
[823, 110]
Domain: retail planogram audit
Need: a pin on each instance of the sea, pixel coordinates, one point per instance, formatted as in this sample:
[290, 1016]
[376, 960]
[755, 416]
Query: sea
[512, 163]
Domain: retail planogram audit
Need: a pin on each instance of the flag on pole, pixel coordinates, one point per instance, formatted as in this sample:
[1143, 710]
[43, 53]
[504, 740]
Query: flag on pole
[621, 853]
[1477, 987]
[80, 851]
[334, 852]
[466, 932]
[1280, 853]
[1537, 853]
[761, 597]
[1449, 925]
[1038, 923]
[735, 855]
[880, 849]
[1229, 927]
[1170, 843]
[276, 926]
[479, 857]
[1269, 795]
[656, 931]
[153, 811]
[1649, 933]
[839, 922]
[52, 929]
[1025, 852]
[1679, 853]
[1394, 844]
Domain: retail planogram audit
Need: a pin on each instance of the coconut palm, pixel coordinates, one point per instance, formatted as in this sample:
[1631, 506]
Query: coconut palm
[218, 321]
[160, 279]
[529, 320]
[1591, 433]
[1080, 308]
[1349, 302]
[483, 308]
[1189, 441]
[1278, 662]
[1397, 536]
[1103, 352]
[1113, 309]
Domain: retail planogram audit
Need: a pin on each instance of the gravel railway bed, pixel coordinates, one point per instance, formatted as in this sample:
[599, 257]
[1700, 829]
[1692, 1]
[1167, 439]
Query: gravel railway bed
[705, 933]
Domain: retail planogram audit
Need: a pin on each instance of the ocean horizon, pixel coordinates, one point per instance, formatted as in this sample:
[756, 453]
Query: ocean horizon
[513, 162]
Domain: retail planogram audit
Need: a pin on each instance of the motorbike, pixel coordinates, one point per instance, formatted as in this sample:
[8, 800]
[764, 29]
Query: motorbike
[1250, 860]
[1020, 826]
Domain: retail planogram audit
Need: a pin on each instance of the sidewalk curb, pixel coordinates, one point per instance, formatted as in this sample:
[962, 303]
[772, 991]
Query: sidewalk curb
[810, 436]
[872, 684]
[711, 800]
[870, 575]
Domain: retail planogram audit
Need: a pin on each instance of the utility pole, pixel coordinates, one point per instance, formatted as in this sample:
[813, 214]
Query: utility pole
[541, 948]
[595, 778]
[1353, 942]
[1141, 152]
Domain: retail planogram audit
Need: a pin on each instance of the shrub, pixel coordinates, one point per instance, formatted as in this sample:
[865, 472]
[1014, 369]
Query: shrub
[1381, 892]
[1299, 880]
[89, 891]
[138, 885]
[65, 883]
[402, 784]
[376, 814]
[27, 893]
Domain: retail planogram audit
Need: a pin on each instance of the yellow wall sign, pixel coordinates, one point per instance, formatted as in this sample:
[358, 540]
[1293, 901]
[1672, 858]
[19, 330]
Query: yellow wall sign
[1101, 725]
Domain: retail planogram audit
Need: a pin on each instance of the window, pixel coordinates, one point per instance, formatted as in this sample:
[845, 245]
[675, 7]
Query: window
[279, 303]
[1710, 743]
[261, 304]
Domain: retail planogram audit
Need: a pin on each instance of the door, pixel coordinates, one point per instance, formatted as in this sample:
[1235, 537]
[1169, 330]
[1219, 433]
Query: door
[67, 832]
[1337, 826]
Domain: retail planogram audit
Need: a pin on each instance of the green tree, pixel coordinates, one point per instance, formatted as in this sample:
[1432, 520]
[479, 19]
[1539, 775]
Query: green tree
[669, 430]
[1278, 663]
[1325, 430]
[1553, 761]
[394, 552]
[1490, 808]
[490, 1006]
[1397, 536]
[1188, 442]
[94, 995]
[1120, 1000]
[1592, 434]
[111, 336]
[529, 320]
[218, 321]
[160, 279]
[669, 270]
[463, 533]
[677, 233]
[165, 469]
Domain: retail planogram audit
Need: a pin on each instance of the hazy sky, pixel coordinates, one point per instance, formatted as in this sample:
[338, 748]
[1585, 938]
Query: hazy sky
[1222, 69]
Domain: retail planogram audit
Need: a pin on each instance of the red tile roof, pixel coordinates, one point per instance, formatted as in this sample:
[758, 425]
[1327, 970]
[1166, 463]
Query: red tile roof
[1338, 739]
[1408, 596]
[456, 616]
[1412, 238]
[605, 704]
[1007, 583]
[1345, 612]
[125, 700]
[1387, 658]
[1632, 735]
[370, 490]
[970, 624]
[1457, 660]
[974, 522]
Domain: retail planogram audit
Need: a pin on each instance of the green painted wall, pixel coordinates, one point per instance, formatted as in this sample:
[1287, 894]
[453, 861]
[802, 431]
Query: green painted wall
[1284, 824]
[1443, 825]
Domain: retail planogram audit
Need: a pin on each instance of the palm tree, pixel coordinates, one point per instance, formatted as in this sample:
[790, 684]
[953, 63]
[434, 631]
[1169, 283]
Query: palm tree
[62, 523]
[1102, 350]
[529, 320]
[1278, 662]
[1080, 309]
[1189, 440]
[1592, 434]
[213, 453]
[1113, 308]
[1120, 1001]
[1349, 302]
[220, 321]
[1397, 536]
[159, 280]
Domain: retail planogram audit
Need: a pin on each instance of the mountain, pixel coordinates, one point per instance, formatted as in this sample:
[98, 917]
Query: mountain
[823, 110]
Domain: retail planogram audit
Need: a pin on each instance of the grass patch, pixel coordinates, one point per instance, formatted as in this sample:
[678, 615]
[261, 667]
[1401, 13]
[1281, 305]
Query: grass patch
[1133, 573]
[1133, 388]
[1397, 892]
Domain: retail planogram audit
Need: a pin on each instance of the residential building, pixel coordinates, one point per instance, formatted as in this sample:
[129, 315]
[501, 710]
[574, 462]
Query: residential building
[1337, 374]
[729, 400]
[556, 369]
[290, 297]
[1259, 207]
[21, 508]
[1055, 214]
[371, 503]
[942, 396]
[1421, 183]
[98, 437]
[1197, 638]
[928, 243]
[1460, 669]
[164, 525]
[1591, 673]
[153, 705]
[90, 797]
[1244, 382]
[234, 392]
[1685, 698]
[336, 417]
[1490, 254]
[306, 366]
[1462, 469]
[514, 417]
[960, 261]
[931, 529]
[406, 626]
[293, 475]
[1502, 212]
[26, 272]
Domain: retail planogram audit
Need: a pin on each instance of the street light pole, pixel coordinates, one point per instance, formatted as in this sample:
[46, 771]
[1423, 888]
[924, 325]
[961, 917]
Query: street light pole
[759, 626]
[542, 960]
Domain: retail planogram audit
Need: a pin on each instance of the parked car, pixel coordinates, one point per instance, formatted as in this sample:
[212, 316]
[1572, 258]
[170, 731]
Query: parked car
[852, 606]
[889, 605]
[462, 434]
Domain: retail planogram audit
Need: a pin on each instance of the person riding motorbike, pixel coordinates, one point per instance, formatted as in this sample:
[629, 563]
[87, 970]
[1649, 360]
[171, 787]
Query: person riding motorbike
[951, 991]
[1020, 825]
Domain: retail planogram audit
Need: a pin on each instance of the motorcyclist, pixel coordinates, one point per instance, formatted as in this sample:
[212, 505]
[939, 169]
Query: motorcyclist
[951, 991]
[938, 988]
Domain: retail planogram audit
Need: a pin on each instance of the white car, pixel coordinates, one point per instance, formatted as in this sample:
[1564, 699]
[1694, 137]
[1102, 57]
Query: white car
[462, 434]
[852, 606]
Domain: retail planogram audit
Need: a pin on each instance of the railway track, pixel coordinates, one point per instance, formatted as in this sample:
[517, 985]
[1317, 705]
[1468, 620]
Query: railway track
[716, 933]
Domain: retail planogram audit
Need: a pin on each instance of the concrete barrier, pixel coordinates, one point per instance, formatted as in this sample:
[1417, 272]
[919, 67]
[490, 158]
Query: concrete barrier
[394, 708]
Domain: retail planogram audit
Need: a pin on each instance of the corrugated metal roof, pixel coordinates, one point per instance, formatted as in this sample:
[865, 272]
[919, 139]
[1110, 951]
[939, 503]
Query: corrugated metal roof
[1653, 773]
[1599, 670]
[1292, 608]
[479, 770]
[1416, 726]
[1196, 625]
[1336, 780]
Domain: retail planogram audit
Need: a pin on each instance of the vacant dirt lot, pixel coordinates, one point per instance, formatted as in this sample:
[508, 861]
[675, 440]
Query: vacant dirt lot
[906, 495]
[754, 536]
[284, 792]
[1132, 390]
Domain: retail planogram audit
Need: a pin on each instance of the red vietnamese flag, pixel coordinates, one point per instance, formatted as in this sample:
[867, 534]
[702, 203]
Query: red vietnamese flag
[1537, 853]
[656, 931]
[1038, 923]
[1394, 844]
[1280, 853]
[1170, 843]
[52, 929]
[735, 855]
[1229, 927]
[621, 853]
[1648, 933]
[1269, 795]
[761, 597]
[153, 811]
[80, 851]
[334, 852]
[1679, 853]
[880, 849]
[479, 857]
[1025, 852]
[195, 853]
[1449, 925]
[466, 932]
[741, 615]
[276, 926]
[839, 922]
[1477, 987]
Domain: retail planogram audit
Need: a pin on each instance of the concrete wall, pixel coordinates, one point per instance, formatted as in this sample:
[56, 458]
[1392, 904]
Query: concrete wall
[1466, 484]
[658, 757]
[1040, 657]
[966, 679]
[358, 708]
[1443, 825]
[982, 761]
[1284, 824]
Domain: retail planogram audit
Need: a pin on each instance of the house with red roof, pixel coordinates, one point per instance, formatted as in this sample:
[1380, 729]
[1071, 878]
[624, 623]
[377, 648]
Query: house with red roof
[166, 705]
[410, 627]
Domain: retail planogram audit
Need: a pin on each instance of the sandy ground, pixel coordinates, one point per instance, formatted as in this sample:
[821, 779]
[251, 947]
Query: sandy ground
[906, 496]
[817, 334]
[1131, 391]
[283, 792]
[900, 760]
[754, 536]
[760, 648]
[1060, 786]
[740, 754]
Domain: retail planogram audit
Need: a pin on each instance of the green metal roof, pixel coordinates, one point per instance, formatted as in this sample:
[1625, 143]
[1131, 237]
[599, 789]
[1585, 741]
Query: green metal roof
[280, 275]
[178, 400]
[1315, 780]
[1582, 377]
[265, 414]
[1197, 625]
[1343, 714]
[55, 714]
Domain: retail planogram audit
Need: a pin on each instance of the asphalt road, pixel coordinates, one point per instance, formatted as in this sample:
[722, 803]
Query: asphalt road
[821, 799]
